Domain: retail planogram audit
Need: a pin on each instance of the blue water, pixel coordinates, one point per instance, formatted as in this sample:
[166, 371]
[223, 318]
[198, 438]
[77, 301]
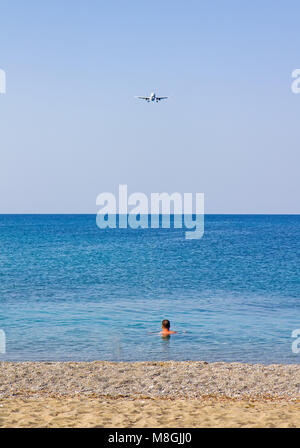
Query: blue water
[70, 291]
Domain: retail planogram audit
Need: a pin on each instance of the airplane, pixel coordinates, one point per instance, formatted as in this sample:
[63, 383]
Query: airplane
[152, 97]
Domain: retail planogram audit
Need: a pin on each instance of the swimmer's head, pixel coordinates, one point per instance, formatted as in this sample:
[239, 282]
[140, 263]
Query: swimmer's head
[165, 324]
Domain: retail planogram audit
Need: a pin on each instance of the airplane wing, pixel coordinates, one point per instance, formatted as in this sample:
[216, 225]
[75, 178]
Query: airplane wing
[161, 98]
[147, 98]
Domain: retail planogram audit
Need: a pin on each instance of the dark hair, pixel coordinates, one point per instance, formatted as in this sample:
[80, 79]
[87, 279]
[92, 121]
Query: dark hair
[166, 323]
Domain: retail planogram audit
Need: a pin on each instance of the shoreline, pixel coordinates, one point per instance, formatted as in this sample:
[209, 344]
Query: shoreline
[152, 379]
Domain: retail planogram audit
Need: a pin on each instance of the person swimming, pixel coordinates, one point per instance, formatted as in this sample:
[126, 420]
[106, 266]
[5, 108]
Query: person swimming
[165, 328]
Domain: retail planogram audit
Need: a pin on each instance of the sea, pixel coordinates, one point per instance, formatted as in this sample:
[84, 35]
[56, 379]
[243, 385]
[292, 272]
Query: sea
[70, 291]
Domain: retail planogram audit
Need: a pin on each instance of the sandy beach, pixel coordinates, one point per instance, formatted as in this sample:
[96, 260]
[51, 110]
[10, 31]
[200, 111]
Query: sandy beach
[148, 394]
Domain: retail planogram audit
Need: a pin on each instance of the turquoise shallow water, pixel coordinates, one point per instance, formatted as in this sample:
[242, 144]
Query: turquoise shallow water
[70, 291]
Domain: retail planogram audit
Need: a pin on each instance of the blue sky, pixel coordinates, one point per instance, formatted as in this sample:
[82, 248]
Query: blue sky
[70, 127]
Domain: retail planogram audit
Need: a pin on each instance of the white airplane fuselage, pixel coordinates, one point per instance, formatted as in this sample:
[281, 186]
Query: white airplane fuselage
[152, 96]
